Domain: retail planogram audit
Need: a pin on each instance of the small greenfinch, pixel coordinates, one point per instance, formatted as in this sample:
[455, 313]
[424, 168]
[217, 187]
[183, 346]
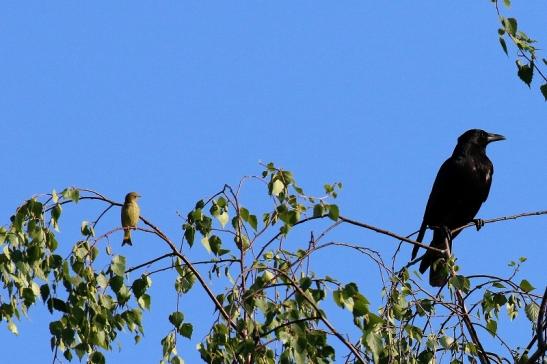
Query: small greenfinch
[130, 216]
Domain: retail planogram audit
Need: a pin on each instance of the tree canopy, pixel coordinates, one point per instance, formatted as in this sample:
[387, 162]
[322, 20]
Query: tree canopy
[250, 249]
[267, 298]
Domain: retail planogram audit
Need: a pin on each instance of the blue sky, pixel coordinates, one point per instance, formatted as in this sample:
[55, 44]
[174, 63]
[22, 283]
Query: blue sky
[174, 99]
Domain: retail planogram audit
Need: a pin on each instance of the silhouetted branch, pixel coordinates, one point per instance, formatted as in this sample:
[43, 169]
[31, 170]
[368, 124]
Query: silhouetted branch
[389, 233]
[149, 262]
[540, 327]
[503, 218]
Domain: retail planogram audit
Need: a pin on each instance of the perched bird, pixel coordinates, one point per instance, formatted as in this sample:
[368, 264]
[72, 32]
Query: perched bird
[461, 186]
[130, 215]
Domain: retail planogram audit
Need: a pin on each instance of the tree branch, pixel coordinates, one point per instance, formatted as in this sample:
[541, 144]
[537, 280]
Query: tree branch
[288, 323]
[540, 327]
[349, 345]
[389, 233]
[194, 271]
[502, 218]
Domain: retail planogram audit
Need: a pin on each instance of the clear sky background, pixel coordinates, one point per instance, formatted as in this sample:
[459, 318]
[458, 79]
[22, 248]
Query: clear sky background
[174, 99]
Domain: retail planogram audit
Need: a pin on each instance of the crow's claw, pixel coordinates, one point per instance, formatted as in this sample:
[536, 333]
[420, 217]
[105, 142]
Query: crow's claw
[479, 223]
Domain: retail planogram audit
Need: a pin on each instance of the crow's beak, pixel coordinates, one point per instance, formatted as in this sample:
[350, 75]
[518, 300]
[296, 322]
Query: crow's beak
[495, 137]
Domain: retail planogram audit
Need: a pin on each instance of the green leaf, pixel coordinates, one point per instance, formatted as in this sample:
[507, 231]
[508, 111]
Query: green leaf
[139, 287]
[56, 328]
[54, 196]
[526, 286]
[503, 45]
[221, 202]
[28, 296]
[55, 214]
[425, 357]
[372, 321]
[360, 305]
[334, 213]
[144, 301]
[492, 327]
[214, 244]
[532, 312]
[186, 330]
[99, 338]
[102, 281]
[460, 282]
[244, 213]
[59, 305]
[176, 318]
[223, 218]
[374, 343]
[87, 229]
[253, 222]
[414, 332]
[97, 358]
[305, 283]
[510, 25]
[318, 210]
[205, 243]
[177, 360]
[543, 89]
[185, 281]
[507, 3]
[189, 233]
[44, 292]
[525, 72]
[71, 194]
[242, 242]
[268, 277]
[118, 265]
[277, 187]
[13, 328]
[446, 342]
[338, 299]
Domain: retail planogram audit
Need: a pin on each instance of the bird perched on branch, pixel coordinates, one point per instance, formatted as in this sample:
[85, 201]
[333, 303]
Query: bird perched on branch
[461, 186]
[130, 216]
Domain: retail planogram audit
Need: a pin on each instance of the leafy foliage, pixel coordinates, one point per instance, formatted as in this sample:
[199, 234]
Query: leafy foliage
[268, 300]
[528, 63]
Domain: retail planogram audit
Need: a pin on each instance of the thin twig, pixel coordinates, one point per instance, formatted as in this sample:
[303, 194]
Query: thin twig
[149, 262]
[288, 323]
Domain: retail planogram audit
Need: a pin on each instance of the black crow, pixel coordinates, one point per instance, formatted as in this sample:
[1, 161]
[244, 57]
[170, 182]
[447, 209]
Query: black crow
[461, 186]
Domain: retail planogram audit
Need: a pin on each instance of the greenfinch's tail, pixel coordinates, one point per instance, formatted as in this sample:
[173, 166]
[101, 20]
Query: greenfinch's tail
[127, 238]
